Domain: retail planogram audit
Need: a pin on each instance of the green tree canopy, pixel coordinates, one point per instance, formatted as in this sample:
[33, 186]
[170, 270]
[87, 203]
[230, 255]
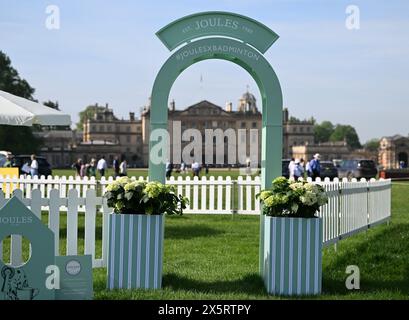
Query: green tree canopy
[89, 112]
[10, 80]
[347, 133]
[15, 138]
[372, 145]
[323, 131]
[52, 104]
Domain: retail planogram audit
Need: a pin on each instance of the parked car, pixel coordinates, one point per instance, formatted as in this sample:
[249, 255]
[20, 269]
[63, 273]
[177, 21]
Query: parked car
[357, 169]
[328, 170]
[285, 171]
[3, 157]
[44, 168]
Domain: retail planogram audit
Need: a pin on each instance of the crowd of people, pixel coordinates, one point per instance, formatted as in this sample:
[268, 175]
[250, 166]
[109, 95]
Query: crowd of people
[31, 167]
[90, 169]
[299, 169]
[196, 168]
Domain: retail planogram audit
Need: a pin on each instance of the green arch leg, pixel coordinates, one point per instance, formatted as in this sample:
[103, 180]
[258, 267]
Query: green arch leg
[261, 71]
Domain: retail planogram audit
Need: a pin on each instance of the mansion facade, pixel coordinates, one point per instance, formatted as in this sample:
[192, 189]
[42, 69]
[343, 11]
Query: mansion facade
[394, 152]
[246, 119]
[104, 134]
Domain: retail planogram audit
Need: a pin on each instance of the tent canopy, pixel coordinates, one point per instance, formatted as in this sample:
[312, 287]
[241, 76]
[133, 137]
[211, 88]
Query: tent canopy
[17, 111]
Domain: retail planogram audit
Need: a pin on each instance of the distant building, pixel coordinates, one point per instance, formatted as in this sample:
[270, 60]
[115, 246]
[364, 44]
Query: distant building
[328, 151]
[105, 134]
[59, 146]
[207, 115]
[394, 151]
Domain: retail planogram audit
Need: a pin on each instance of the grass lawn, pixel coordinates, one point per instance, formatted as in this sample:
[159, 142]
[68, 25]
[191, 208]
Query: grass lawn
[216, 257]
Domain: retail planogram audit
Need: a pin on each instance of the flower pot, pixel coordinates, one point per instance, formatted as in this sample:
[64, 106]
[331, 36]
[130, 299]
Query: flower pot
[293, 256]
[135, 251]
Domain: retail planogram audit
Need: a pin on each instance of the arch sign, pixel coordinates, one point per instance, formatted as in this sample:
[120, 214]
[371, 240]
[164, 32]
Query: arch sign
[226, 36]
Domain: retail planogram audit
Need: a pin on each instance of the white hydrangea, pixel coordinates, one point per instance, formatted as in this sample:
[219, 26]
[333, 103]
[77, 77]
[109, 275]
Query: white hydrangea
[309, 198]
[123, 180]
[131, 186]
[296, 185]
[114, 186]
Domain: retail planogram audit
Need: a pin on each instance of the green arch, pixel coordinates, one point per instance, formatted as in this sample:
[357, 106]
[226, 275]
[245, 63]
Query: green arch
[250, 60]
[247, 53]
[217, 23]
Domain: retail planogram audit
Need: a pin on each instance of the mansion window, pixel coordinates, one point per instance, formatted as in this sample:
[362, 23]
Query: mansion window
[93, 128]
[128, 138]
[243, 124]
[254, 125]
[101, 128]
[128, 129]
[301, 129]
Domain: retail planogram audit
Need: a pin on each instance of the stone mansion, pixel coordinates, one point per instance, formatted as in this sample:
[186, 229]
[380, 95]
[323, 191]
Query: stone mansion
[106, 135]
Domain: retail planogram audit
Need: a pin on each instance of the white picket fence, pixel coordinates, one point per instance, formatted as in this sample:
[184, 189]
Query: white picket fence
[78, 215]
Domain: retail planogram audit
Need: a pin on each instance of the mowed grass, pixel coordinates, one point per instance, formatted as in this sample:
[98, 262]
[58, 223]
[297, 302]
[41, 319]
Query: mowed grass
[216, 257]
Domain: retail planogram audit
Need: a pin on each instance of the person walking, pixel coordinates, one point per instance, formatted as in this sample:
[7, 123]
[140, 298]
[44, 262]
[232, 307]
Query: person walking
[291, 167]
[77, 166]
[302, 164]
[298, 170]
[315, 166]
[115, 166]
[183, 167]
[8, 163]
[123, 168]
[195, 169]
[308, 169]
[168, 168]
[102, 166]
[92, 169]
[33, 166]
[84, 170]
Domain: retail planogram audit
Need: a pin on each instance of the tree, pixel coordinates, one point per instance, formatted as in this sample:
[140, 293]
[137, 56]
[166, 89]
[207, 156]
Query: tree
[323, 131]
[18, 140]
[52, 104]
[372, 145]
[88, 113]
[348, 134]
[10, 80]
[14, 138]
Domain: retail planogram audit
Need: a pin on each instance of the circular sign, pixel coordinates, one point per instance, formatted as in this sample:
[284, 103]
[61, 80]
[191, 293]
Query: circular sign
[73, 267]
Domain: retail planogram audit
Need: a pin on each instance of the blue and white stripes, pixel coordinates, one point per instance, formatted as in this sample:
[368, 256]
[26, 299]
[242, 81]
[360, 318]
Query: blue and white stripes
[293, 256]
[135, 251]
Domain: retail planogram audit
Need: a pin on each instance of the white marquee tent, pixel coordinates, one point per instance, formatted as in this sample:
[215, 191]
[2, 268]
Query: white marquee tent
[17, 111]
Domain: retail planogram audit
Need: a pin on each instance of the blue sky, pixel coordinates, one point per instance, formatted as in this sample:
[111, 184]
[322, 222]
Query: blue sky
[107, 51]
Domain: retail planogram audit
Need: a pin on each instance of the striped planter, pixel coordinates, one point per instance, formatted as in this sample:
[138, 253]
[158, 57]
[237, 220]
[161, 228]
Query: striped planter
[135, 251]
[293, 256]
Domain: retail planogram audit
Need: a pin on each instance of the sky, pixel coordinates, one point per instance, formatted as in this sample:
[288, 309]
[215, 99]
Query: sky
[107, 52]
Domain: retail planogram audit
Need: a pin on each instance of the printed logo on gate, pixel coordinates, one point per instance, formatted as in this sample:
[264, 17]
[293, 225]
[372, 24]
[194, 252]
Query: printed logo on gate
[73, 267]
